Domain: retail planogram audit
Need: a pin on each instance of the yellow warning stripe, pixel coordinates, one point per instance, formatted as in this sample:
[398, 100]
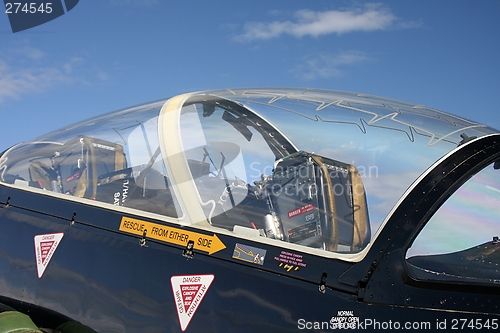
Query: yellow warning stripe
[171, 235]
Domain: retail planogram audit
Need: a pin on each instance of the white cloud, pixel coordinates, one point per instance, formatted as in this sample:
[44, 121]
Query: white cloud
[21, 73]
[328, 65]
[14, 83]
[309, 23]
[28, 52]
[103, 76]
[73, 63]
[24, 70]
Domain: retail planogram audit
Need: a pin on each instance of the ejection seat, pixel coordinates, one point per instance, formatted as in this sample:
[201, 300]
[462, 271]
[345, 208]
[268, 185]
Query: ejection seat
[76, 166]
[318, 202]
[308, 200]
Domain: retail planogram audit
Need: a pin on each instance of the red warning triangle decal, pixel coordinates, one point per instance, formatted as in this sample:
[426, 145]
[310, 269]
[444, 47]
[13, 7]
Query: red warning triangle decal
[45, 246]
[189, 291]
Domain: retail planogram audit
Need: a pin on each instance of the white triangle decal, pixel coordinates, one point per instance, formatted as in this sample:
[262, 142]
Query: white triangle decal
[189, 291]
[45, 246]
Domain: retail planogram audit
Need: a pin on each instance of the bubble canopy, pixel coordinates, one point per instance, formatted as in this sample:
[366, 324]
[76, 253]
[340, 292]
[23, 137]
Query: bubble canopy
[314, 168]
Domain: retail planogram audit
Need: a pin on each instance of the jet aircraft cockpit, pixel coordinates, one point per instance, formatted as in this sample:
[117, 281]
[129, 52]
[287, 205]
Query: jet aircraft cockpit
[309, 168]
[219, 209]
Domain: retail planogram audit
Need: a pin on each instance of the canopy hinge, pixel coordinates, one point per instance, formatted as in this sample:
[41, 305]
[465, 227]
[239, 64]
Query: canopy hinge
[142, 241]
[188, 250]
[322, 283]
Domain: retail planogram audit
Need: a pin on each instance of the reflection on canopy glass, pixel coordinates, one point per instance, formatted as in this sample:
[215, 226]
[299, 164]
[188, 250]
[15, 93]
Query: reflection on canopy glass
[461, 238]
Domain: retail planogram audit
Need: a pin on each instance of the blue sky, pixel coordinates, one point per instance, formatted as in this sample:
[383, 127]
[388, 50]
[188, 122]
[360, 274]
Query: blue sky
[108, 54]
